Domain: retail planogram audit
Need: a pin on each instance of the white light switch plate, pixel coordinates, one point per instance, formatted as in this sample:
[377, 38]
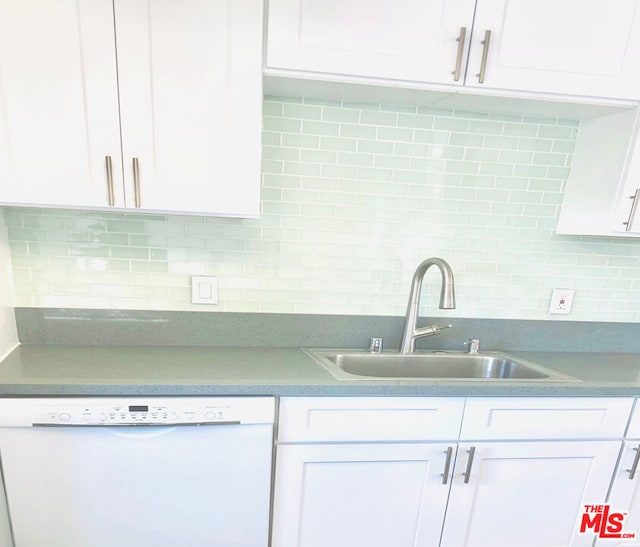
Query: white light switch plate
[561, 301]
[204, 289]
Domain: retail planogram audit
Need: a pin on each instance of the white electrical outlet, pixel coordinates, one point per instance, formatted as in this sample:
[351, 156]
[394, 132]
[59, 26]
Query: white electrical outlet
[561, 301]
[204, 289]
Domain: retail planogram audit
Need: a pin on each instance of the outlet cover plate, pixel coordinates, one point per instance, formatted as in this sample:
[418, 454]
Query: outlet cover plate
[561, 301]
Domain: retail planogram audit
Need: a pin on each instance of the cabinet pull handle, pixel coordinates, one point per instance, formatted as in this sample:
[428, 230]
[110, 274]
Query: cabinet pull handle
[632, 213]
[634, 465]
[467, 473]
[136, 182]
[485, 54]
[110, 194]
[447, 465]
[460, 39]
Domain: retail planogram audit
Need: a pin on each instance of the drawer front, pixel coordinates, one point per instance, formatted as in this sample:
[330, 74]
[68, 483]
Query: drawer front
[634, 423]
[313, 419]
[545, 418]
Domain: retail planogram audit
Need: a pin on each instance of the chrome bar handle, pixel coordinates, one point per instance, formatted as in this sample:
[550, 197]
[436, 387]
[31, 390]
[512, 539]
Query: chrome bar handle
[136, 182]
[461, 40]
[447, 465]
[485, 53]
[634, 465]
[111, 197]
[467, 473]
[634, 208]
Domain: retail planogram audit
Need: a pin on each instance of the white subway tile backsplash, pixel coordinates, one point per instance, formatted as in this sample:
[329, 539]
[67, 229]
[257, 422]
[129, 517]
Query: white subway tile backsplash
[354, 197]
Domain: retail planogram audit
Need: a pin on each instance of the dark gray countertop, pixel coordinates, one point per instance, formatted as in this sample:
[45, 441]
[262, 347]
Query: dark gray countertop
[75, 370]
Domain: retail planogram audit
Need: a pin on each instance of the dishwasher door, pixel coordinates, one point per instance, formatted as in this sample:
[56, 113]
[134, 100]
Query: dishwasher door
[142, 486]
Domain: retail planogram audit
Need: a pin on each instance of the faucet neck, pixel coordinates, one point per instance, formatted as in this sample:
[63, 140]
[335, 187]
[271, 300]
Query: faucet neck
[447, 301]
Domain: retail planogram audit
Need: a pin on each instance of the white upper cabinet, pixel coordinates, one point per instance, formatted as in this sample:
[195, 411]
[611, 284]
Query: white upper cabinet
[601, 195]
[566, 46]
[403, 40]
[58, 103]
[154, 105]
[626, 217]
[190, 78]
[536, 46]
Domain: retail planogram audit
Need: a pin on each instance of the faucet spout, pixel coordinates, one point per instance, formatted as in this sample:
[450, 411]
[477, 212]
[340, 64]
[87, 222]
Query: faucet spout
[447, 301]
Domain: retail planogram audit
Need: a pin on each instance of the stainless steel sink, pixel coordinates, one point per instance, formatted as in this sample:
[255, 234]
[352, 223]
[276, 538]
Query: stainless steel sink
[437, 365]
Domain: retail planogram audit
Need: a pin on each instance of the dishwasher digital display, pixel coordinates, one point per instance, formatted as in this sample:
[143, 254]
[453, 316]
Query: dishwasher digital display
[138, 408]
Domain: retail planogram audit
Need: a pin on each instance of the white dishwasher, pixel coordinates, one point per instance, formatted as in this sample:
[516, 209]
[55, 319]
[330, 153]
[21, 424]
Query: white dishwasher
[138, 472]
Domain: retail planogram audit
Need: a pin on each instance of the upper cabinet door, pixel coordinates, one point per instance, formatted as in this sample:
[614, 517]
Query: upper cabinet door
[569, 46]
[415, 40]
[58, 103]
[190, 75]
[626, 217]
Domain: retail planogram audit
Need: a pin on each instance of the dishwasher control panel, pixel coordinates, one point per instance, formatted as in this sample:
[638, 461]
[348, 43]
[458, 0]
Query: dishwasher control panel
[160, 411]
[134, 414]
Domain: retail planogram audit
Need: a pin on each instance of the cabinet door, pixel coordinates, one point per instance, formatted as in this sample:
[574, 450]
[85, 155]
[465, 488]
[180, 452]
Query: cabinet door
[626, 218]
[625, 495]
[561, 47]
[58, 103]
[5, 525]
[596, 181]
[190, 76]
[347, 495]
[529, 494]
[403, 40]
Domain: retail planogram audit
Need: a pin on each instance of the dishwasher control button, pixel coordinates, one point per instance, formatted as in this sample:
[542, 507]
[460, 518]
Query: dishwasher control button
[64, 417]
[210, 416]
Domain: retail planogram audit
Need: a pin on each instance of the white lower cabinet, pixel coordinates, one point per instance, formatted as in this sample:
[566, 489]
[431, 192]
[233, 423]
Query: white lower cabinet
[355, 484]
[624, 498]
[364, 494]
[528, 494]
[5, 526]
[356, 471]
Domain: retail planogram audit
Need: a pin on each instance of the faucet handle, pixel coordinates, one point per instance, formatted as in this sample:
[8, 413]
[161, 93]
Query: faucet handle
[431, 330]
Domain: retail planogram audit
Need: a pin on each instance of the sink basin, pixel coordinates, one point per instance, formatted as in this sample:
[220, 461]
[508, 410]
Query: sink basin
[437, 365]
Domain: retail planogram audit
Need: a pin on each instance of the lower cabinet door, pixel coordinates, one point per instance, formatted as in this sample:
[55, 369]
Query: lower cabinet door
[361, 495]
[529, 494]
[624, 500]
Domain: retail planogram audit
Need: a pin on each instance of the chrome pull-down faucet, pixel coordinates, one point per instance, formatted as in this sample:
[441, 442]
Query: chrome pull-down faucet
[411, 331]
